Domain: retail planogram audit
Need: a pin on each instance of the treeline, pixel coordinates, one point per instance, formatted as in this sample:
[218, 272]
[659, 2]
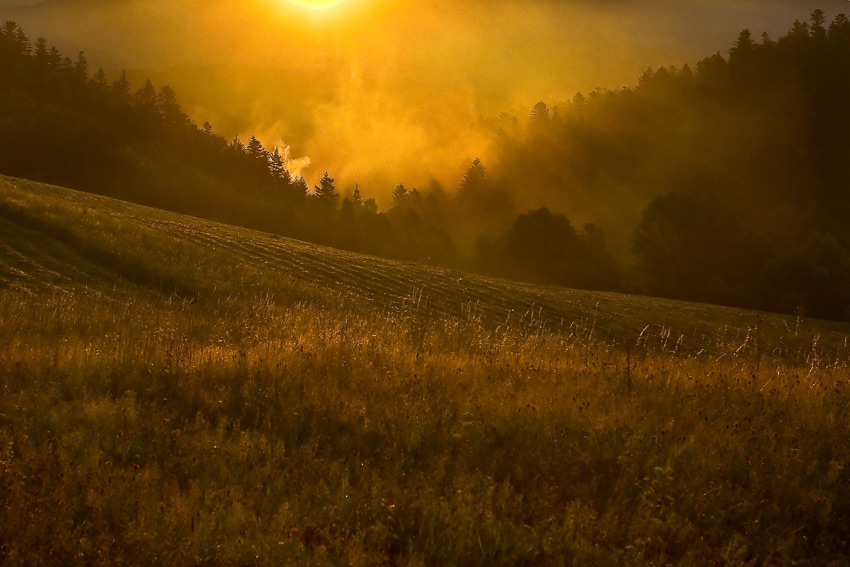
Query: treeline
[61, 123]
[725, 183]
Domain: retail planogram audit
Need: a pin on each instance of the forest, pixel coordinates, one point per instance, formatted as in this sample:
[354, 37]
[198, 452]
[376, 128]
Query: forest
[725, 182]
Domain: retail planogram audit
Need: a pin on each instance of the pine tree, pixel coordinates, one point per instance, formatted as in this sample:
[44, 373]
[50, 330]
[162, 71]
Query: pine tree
[539, 116]
[818, 28]
[301, 186]
[168, 108]
[14, 39]
[256, 150]
[81, 68]
[840, 24]
[325, 190]
[400, 195]
[42, 53]
[121, 86]
[236, 145]
[744, 43]
[99, 78]
[145, 98]
[370, 206]
[278, 169]
[475, 179]
[54, 59]
[356, 197]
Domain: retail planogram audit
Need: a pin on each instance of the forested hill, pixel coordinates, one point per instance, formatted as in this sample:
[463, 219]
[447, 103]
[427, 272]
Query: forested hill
[728, 181]
[725, 182]
[64, 123]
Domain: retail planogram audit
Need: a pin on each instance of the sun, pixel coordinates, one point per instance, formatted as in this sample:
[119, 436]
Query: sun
[316, 4]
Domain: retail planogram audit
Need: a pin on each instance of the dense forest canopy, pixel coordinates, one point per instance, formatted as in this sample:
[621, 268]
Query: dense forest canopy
[724, 182]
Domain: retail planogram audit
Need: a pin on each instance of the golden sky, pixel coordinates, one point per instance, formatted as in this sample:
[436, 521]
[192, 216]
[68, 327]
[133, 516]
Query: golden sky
[387, 91]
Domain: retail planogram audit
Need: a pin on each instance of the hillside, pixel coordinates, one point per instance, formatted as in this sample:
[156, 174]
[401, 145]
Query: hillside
[177, 391]
[61, 238]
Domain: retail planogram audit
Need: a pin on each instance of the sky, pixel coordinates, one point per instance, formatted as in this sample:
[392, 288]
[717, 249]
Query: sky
[381, 92]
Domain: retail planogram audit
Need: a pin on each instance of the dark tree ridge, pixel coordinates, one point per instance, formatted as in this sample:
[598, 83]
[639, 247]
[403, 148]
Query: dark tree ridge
[726, 182]
[742, 162]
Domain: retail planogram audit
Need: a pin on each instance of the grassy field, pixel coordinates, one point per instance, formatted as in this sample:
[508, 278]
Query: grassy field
[176, 391]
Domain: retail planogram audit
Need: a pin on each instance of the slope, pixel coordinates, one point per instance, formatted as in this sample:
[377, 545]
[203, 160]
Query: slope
[56, 238]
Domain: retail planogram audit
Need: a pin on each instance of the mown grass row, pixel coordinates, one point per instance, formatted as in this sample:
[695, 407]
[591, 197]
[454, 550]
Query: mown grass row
[144, 429]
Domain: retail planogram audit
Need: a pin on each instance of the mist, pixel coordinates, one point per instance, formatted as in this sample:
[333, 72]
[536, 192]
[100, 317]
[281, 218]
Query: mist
[380, 92]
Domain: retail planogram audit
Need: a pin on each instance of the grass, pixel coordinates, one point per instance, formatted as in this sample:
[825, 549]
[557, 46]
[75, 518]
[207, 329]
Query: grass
[174, 391]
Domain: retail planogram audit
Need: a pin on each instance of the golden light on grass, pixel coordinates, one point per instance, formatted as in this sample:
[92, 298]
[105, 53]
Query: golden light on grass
[218, 394]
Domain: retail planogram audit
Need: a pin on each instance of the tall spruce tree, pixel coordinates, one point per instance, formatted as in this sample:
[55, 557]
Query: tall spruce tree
[325, 190]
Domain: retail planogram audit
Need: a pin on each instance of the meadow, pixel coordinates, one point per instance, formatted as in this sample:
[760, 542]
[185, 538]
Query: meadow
[177, 391]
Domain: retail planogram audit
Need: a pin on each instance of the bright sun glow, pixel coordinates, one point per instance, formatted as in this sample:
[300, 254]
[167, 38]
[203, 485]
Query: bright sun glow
[316, 4]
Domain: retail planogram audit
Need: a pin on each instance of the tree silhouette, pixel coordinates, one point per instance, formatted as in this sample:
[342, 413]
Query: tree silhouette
[325, 191]
[400, 195]
[475, 179]
[278, 169]
[818, 21]
[41, 57]
[99, 79]
[255, 150]
[544, 247]
[236, 145]
[145, 102]
[121, 86]
[539, 117]
[300, 186]
[694, 248]
[81, 68]
[14, 40]
[168, 108]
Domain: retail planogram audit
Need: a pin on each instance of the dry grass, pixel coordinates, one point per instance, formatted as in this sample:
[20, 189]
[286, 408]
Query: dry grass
[250, 413]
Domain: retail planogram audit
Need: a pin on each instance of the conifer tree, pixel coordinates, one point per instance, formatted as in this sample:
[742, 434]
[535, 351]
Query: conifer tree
[42, 53]
[325, 190]
[55, 59]
[818, 29]
[99, 78]
[474, 180]
[14, 38]
[145, 98]
[81, 68]
[121, 86]
[169, 109]
[400, 195]
[236, 145]
[301, 186]
[539, 116]
[277, 168]
[254, 148]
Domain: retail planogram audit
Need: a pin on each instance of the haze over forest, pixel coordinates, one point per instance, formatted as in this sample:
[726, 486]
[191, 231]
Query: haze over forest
[723, 182]
[381, 92]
